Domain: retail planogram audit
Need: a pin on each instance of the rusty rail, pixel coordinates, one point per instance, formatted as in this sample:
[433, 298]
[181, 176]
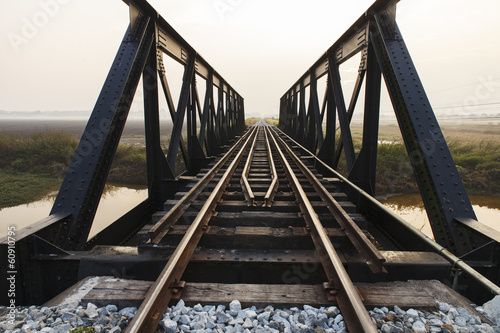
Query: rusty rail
[245, 185]
[373, 258]
[271, 192]
[160, 293]
[160, 229]
[351, 306]
[397, 220]
[166, 286]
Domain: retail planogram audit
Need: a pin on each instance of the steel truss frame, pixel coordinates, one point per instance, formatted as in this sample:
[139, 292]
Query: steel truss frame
[383, 53]
[210, 126]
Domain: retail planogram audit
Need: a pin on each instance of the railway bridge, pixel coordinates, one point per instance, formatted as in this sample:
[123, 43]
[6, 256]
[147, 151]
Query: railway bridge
[260, 210]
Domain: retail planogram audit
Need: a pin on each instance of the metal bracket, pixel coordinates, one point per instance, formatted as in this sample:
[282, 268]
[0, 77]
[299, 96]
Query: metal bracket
[134, 13]
[455, 273]
[481, 253]
[177, 289]
[330, 291]
[40, 246]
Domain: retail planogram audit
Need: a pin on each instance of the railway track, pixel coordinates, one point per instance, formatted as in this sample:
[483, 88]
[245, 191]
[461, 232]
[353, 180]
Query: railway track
[259, 201]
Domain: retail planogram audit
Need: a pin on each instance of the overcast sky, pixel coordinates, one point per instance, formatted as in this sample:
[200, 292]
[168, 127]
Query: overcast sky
[56, 54]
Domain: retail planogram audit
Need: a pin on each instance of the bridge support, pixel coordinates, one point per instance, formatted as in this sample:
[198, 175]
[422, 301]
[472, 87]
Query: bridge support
[52, 254]
[148, 39]
[383, 52]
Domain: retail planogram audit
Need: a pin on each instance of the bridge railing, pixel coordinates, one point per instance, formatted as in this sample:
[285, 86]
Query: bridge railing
[210, 125]
[375, 36]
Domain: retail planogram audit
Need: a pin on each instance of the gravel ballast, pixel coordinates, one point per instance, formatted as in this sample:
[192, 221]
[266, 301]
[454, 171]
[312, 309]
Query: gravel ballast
[234, 318]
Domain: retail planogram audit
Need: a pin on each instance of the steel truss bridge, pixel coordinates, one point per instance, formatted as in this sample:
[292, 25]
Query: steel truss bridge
[232, 174]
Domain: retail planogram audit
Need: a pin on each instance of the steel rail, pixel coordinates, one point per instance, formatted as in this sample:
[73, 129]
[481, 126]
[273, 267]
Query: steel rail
[273, 188]
[160, 293]
[351, 306]
[161, 228]
[432, 245]
[374, 259]
[245, 185]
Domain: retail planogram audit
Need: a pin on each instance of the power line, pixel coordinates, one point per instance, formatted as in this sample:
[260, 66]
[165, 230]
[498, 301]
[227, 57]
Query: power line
[468, 106]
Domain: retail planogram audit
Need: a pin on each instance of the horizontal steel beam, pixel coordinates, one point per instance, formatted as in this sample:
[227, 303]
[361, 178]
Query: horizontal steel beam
[171, 42]
[351, 42]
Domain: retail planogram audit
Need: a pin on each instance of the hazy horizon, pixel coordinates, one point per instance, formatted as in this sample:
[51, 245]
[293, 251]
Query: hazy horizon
[259, 50]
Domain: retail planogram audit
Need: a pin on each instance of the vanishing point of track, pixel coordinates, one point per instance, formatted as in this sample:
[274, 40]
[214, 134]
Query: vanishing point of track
[262, 164]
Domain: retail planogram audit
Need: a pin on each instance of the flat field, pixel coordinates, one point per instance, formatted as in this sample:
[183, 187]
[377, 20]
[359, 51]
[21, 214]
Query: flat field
[36, 153]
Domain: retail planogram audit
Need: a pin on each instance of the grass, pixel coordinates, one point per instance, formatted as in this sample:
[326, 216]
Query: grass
[478, 164]
[251, 121]
[44, 153]
[269, 120]
[475, 148]
[23, 187]
[272, 121]
[82, 330]
[394, 171]
[129, 166]
[34, 165]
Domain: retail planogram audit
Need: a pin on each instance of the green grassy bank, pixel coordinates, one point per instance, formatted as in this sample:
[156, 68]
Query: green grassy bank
[478, 164]
[34, 165]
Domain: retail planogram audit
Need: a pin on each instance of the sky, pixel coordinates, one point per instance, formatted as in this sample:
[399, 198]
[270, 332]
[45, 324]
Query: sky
[55, 54]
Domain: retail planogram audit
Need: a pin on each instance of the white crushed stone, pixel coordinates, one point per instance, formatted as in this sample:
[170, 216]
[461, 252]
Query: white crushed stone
[491, 310]
[218, 319]
[81, 292]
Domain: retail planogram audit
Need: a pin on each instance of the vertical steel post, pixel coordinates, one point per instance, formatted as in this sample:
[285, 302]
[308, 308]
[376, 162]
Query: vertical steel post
[315, 132]
[365, 167]
[157, 165]
[173, 147]
[442, 190]
[302, 128]
[328, 147]
[82, 187]
[345, 131]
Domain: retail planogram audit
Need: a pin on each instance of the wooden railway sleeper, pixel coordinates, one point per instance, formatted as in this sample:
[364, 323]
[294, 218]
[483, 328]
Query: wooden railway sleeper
[373, 258]
[351, 306]
[160, 294]
[160, 229]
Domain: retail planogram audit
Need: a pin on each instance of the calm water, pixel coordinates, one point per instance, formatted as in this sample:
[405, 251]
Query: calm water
[116, 201]
[411, 208]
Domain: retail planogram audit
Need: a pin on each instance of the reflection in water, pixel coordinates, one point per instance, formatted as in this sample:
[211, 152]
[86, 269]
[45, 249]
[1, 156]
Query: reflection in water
[411, 208]
[116, 201]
